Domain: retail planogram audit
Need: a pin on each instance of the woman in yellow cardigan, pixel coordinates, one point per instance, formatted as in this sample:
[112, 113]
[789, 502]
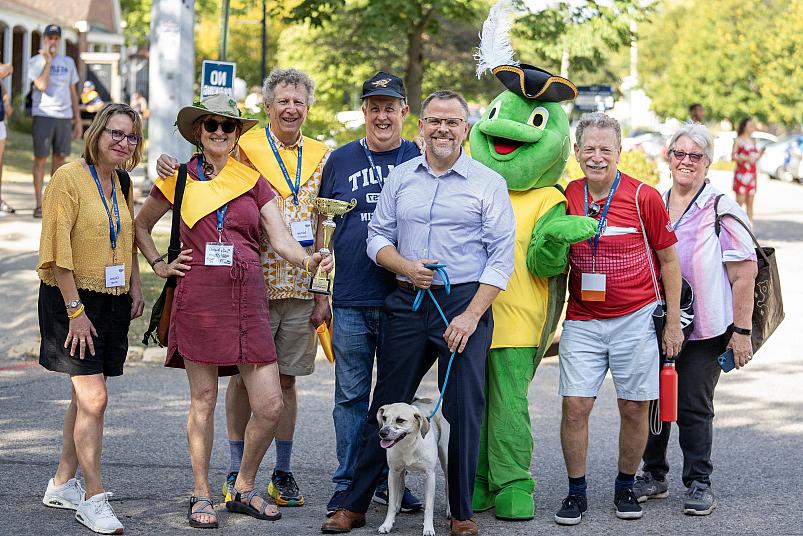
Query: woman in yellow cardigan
[89, 293]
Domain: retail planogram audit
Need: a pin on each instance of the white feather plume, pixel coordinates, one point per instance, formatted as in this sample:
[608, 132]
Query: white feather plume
[495, 48]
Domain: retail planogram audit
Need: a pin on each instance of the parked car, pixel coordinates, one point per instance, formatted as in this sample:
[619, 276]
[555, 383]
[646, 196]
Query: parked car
[723, 143]
[651, 143]
[783, 160]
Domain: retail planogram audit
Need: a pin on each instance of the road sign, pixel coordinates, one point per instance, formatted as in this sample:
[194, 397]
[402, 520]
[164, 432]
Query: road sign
[596, 98]
[217, 77]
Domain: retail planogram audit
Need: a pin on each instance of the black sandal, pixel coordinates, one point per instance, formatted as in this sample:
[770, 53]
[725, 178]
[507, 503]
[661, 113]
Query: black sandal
[205, 510]
[242, 505]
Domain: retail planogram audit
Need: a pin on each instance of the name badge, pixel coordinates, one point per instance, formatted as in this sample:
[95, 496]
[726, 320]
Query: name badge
[115, 276]
[219, 254]
[302, 231]
[592, 287]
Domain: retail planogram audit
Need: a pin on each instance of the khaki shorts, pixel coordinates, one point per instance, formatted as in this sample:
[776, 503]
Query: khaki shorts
[294, 336]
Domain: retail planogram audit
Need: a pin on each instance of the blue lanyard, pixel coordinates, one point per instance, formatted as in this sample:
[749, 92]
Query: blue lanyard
[377, 174]
[112, 233]
[221, 212]
[293, 188]
[603, 217]
[675, 226]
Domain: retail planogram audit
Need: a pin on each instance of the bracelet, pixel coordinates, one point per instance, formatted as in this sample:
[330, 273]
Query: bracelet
[742, 331]
[157, 259]
[305, 262]
[77, 312]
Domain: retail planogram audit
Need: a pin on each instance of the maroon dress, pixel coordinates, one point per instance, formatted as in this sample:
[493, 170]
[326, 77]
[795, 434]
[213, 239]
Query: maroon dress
[220, 313]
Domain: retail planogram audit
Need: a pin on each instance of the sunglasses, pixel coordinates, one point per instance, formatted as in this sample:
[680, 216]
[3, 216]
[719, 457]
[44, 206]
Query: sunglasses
[228, 125]
[118, 135]
[680, 155]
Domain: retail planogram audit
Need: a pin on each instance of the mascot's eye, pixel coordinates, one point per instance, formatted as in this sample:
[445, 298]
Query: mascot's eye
[495, 110]
[539, 118]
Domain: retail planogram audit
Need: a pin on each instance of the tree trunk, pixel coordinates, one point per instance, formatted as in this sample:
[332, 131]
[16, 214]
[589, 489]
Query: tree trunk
[414, 72]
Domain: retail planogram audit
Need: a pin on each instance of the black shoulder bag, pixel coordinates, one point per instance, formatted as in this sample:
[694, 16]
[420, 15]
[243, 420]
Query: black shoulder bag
[160, 314]
[767, 301]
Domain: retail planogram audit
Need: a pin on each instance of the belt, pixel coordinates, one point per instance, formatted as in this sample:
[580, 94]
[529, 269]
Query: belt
[409, 286]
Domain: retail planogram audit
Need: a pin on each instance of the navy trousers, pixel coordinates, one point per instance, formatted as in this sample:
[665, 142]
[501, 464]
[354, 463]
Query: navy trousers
[413, 341]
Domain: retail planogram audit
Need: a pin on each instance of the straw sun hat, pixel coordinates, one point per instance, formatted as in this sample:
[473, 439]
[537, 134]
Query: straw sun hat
[219, 104]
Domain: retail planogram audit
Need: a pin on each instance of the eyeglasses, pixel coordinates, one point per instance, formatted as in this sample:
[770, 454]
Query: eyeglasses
[680, 155]
[228, 125]
[118, 135]
[451, 122]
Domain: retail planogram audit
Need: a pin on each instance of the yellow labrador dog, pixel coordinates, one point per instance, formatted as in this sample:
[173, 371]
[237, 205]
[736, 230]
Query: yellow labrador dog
[413, 444]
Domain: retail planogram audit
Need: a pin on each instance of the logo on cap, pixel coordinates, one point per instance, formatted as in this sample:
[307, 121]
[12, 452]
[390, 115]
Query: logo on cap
[381, 83]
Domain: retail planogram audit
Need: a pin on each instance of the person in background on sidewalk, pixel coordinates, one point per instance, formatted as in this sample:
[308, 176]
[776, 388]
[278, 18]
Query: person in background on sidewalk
[697, 113]
[358, 171]
[220, 323]
[292, 164]
[55, 111]
[6, 109]
[609, 323]
[745, 154]
[89, 294]
[442, 207]
[723, 309]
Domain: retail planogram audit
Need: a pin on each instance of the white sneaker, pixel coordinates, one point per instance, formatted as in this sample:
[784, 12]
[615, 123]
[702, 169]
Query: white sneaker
[66, 496]
[97, 515]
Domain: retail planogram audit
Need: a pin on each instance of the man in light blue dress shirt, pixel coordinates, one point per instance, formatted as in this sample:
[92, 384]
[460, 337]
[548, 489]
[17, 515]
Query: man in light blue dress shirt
[443, 208]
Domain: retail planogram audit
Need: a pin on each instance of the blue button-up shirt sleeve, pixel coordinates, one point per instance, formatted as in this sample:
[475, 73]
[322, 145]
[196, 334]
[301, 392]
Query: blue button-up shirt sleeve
[498, 236]
[382, 230]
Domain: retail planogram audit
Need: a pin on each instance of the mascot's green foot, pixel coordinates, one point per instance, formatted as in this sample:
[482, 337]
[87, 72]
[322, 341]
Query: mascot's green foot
[483, 498]
[514, 505]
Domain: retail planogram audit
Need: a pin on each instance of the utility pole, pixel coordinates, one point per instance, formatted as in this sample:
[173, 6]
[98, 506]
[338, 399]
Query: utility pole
[224, 29]
[172, 49]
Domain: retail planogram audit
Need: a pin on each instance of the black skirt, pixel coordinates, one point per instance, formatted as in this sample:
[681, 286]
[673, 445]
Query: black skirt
[111, 316]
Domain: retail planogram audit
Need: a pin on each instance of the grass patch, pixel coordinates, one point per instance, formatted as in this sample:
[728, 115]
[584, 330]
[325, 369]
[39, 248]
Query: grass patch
[152, 286]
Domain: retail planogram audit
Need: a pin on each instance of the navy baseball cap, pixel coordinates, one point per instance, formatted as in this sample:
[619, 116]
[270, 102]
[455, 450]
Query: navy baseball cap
[52, 29]
[384, 84]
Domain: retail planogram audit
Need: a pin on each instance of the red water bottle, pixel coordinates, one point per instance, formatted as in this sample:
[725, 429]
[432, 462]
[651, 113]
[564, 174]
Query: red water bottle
[669, 392]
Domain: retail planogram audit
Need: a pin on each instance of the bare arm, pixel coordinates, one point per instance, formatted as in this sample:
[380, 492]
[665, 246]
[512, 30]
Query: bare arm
[137, 302]
[388, 257]
[285, 245]
[670, 277]
[43, 80]
[742, 276]
[150, 213]
[81, 329]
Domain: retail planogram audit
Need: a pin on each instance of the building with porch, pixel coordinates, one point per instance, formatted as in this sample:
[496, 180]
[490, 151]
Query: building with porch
[91, 35]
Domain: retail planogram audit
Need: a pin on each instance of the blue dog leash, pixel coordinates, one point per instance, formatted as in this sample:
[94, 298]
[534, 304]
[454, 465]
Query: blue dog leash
[419, 298]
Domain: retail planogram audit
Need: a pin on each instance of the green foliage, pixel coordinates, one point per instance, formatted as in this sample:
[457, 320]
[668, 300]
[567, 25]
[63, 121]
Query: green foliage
[634, 163]
[738, 59]
[581, 37]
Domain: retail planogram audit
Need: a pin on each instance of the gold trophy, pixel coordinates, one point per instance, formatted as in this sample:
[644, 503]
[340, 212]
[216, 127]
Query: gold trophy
[322, 282]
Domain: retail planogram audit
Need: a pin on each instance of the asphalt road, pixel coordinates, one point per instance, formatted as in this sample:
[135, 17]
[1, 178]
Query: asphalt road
[757, 449]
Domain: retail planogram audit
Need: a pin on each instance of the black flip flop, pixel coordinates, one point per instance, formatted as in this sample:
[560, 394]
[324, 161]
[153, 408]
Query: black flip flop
[237, 506]
[197, 524]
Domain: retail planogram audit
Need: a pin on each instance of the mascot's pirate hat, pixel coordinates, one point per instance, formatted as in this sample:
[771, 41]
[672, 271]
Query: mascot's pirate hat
[496, 53]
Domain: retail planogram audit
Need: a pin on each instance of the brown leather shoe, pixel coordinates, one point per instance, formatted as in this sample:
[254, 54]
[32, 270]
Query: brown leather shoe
[463, 528]
[345, 520]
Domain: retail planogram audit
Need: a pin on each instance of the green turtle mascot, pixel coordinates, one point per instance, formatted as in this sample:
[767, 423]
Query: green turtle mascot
[524, 136]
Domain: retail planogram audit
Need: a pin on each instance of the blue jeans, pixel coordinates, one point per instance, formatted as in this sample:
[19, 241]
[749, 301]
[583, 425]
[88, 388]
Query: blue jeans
[356, 338]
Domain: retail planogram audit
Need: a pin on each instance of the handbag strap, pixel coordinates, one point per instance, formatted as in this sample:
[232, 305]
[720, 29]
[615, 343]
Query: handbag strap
[174, 248]
[648, 248]
[718, 226]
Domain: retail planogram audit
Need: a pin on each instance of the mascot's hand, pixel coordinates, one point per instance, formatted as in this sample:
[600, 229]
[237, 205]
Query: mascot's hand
[570, 229]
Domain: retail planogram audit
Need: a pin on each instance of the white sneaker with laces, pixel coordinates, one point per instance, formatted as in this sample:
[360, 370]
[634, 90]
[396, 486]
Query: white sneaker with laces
[97, 515]
[66, 496]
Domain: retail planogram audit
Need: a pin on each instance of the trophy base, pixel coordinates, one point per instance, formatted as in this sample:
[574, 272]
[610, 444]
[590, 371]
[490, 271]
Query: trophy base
[320, 286]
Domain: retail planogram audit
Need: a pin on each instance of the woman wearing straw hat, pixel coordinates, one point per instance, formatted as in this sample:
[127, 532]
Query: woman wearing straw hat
[219, 323]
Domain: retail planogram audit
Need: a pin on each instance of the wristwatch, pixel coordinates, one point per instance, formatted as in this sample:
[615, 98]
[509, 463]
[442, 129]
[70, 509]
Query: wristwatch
[742, 331]
[73, 304]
